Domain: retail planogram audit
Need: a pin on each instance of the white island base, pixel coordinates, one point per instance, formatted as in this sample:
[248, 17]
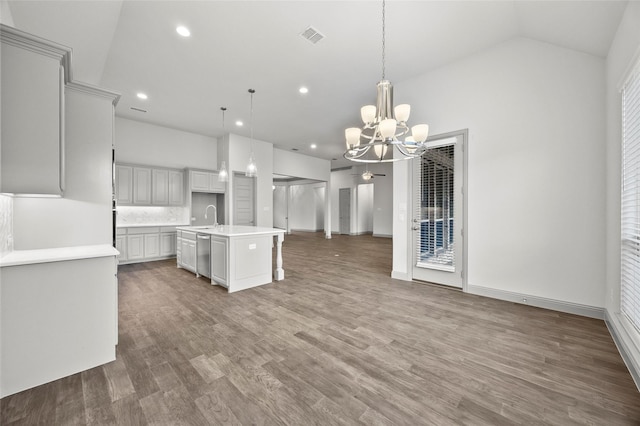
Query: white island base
[241, 256]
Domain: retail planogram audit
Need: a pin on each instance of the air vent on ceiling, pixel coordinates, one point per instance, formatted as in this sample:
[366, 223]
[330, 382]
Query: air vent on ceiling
[138, 109]
[312, 35]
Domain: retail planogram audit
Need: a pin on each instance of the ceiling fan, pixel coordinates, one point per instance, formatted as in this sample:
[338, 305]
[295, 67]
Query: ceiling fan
[368, 175]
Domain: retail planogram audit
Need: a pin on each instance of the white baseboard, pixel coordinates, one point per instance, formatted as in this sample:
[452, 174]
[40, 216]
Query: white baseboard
[540, 302]
[383, 236]
[628, 349]
[404, 276]
[307, 230]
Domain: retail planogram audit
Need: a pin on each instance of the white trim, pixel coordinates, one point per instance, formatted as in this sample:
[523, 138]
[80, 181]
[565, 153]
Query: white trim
[540, 302]
[629, 350]
[633, 65]
[400, 276]
[383, 235]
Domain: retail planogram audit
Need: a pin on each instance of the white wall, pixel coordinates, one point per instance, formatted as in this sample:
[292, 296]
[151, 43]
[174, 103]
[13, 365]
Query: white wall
[5, 13]
[306, 207]
[364, 208]
[6, 224]
[536, 177]
[239, 149]
[382, 197]
[623, 53]
[83, 216]
[301, 166]
[143, 143]
[280, 205]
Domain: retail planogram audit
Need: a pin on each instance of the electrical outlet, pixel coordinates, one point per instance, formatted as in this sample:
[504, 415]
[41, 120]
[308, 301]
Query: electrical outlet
[524, 300]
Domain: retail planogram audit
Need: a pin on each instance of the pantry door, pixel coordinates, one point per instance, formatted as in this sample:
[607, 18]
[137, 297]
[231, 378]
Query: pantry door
[244, 200]
[439, 211]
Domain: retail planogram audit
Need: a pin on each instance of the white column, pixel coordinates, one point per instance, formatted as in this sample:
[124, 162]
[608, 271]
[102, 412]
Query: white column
[279, 275]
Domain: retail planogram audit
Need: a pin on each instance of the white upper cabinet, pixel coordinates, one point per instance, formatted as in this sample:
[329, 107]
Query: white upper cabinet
[146, 186]
[205, 181]
[199, 181]
[124, 184]
[160, 186]
[141, 186]
[34, 72]
[176, 187]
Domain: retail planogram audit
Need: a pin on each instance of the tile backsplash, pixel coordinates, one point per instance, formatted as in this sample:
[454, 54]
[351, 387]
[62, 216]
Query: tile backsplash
[151, 215]
[6, 225]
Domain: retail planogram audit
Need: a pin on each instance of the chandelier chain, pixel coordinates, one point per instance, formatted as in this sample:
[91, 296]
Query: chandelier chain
[383, 39]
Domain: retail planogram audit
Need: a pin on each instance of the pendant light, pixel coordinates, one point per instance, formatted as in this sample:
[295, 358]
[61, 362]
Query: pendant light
[223, 175]
[252, 169]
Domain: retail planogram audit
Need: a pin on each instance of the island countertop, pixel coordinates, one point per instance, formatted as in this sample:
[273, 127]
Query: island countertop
[231, 230]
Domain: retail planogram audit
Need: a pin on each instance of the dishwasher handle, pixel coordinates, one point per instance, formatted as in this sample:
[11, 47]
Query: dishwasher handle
[203, 237]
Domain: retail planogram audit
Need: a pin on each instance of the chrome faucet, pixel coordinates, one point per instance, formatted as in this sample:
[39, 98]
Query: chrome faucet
[215, 213]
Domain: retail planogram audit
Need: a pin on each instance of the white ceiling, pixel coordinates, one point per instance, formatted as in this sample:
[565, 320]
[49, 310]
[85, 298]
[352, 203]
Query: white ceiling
[130, 46]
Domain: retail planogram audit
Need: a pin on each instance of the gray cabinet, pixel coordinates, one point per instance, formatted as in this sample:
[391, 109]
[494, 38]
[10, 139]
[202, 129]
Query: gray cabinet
[135, 247]
[219, 260]
[144, 243]
[176, 187]
[205, 181]
[124, 185]
[142, 186]
[33, 75]
[146, 186]
[187, 243]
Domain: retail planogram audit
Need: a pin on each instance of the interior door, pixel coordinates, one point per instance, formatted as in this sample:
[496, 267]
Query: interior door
[438, 197]
[345, 210]
[244, 200]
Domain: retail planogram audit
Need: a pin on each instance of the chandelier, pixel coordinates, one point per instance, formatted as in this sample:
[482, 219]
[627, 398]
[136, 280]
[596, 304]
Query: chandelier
[384, 126]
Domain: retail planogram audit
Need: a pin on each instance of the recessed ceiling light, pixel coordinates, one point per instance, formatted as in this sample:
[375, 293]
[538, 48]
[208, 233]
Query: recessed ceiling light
[183, 31]
[303, 90]
[239, 123]
[314, 146]
[142, 95]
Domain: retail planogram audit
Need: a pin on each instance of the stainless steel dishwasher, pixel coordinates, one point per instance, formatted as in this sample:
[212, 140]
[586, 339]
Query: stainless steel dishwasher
[203, 255]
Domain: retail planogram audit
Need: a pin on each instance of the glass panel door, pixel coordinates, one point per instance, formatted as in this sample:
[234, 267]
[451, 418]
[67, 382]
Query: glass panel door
[438, 212]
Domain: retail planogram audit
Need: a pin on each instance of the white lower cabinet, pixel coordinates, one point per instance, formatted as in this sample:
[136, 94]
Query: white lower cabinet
[151, 245]
[187, 257]
[142, 244]
[121, 246]
[219, 256]
[168, 244]
[135, 247]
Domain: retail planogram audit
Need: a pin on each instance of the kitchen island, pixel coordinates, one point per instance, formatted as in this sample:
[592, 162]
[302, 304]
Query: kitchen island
[240, 257]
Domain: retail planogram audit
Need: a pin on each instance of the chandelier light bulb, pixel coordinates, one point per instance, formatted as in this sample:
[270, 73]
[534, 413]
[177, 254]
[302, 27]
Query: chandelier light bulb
[352, 134]
[368, 113]
[402, 112]
[388, 128]
[381, 150]
[420, 132]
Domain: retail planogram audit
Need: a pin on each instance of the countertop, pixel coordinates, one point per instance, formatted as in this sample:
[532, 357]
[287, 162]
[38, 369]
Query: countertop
[27, 257]
[149, 225]
[231, 230]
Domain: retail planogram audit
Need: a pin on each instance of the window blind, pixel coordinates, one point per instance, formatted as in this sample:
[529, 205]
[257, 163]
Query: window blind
[630, 206]
[435, 209]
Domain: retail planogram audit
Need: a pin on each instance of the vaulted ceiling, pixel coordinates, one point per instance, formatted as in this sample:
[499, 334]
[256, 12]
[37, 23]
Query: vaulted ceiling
[132, 46]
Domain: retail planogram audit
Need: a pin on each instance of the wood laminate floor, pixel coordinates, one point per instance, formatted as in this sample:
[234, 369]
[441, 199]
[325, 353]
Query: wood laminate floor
[337, 342]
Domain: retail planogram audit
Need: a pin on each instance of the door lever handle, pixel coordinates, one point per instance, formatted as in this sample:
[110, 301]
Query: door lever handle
[415, 228]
